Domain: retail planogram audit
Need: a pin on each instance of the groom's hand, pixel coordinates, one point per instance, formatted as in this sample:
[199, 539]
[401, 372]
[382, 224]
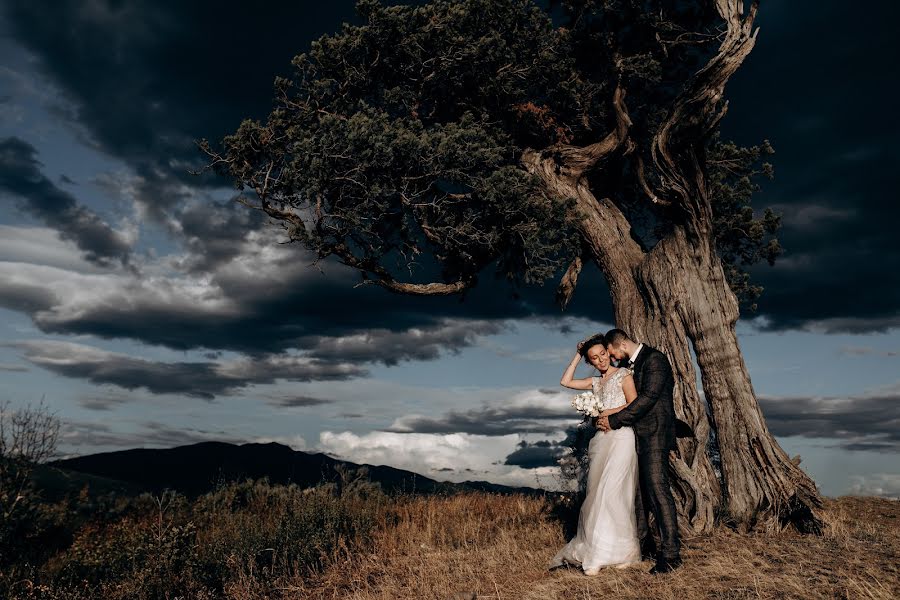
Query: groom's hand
[603, 423]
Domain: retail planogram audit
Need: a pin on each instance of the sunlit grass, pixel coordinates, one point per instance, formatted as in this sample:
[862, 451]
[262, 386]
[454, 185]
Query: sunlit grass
[254, 540]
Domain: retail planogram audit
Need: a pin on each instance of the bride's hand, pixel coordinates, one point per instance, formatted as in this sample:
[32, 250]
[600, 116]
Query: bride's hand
[605, 413]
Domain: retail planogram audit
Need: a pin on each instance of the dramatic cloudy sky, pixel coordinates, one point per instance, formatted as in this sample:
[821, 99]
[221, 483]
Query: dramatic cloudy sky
[150, 310]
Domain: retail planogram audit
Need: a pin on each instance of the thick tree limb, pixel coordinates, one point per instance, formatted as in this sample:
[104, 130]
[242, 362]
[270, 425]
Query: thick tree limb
[373, 273]
[573, 162]
[279, 214]
[381, 276]
[578, 160]
[420, 289]
[384, 279]
[697, 111]
[642, 178]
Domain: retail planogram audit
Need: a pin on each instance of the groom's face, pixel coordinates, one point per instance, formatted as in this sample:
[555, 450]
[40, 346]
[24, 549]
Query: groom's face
[617, 351]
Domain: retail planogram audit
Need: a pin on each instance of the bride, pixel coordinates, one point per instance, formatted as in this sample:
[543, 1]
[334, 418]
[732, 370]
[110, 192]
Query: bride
[607, 528]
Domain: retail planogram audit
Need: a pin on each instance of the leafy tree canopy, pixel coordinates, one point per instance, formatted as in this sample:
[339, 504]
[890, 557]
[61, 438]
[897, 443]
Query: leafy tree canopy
[396, 146]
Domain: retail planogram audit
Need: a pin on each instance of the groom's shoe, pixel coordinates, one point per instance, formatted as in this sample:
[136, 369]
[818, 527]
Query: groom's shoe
[665, 566]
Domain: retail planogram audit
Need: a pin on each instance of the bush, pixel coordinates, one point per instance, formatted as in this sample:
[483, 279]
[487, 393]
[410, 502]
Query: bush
[168, 547]
[28, 437]
[280, 530]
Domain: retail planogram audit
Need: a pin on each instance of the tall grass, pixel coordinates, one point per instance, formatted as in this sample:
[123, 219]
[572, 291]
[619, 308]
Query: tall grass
[481, 546]
[254, 541]
[168, 547]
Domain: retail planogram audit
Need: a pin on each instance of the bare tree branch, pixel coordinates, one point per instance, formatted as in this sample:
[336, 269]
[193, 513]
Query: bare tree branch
[568, 283]
[421, 289]
[642, 178]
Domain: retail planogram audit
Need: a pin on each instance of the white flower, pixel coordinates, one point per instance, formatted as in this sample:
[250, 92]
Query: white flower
[588, 403]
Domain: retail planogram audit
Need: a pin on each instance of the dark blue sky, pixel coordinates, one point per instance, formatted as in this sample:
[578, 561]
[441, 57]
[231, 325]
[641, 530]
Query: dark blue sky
[151, 310]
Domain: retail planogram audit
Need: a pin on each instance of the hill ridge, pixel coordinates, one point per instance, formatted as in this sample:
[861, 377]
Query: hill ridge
[197, 468]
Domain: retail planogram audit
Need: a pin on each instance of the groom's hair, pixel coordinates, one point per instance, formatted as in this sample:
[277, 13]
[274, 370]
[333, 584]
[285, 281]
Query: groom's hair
[614, 336]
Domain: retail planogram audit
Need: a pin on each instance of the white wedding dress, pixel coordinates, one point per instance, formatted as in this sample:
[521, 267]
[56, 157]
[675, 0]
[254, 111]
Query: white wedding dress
[607, 525]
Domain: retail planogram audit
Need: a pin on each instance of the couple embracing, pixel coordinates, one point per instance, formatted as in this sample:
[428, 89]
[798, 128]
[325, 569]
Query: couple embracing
[628, 473]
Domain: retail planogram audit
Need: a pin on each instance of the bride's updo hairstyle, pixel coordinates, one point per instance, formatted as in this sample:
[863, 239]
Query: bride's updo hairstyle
[597, 339]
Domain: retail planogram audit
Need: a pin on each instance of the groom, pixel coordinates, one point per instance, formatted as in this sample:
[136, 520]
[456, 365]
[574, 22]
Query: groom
[652, 416]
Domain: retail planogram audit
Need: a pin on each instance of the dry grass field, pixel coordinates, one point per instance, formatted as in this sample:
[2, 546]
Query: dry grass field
[477, 546]
[256, 541]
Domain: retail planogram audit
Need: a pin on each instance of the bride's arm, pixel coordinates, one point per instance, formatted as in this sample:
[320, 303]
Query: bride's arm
[575, 384]
[630, 394]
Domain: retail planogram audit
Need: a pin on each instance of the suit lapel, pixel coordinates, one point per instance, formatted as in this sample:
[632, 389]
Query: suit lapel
[643, 355]
[639, 364]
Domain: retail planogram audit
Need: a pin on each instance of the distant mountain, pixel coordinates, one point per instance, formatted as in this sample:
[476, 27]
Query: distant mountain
[198, 468]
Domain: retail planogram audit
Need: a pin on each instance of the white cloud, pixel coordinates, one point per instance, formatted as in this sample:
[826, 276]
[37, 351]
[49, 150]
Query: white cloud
[203, 379]
[452, 457]
[258, 296]
[62, 296]
[519, 411]
[42, 246]
[876, 484]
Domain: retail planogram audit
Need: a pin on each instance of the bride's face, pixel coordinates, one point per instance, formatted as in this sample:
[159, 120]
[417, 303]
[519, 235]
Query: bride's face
[598, 356]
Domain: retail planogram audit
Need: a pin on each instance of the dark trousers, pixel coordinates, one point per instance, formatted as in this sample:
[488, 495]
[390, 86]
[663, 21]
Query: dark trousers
[656, 496]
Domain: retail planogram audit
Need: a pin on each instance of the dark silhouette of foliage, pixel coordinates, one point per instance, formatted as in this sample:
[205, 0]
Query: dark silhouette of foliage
[396, 145]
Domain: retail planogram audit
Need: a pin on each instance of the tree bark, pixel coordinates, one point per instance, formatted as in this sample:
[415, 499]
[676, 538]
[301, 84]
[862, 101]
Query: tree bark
[670, 297]
[652, 317]
[607, 236]
[677, 295]
[682, 284]
[761, 485]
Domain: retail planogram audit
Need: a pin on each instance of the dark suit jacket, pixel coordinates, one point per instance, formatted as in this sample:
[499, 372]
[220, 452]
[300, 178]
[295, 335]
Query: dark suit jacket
[652, 413]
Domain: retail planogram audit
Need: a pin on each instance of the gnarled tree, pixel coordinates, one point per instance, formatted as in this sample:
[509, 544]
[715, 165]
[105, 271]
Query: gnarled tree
[436, 142]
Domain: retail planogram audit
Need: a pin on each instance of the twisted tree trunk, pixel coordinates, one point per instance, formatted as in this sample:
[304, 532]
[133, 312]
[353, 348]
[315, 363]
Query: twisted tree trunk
[652, 317]
[760, 482]
[677, 295]
[671, 296]
[607, 235]
[683, 278]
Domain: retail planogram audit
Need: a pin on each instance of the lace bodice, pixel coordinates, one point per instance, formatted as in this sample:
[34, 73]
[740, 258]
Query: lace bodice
[611, 389]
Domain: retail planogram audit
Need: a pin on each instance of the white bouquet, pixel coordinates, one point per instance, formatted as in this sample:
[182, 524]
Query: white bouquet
[588, 403]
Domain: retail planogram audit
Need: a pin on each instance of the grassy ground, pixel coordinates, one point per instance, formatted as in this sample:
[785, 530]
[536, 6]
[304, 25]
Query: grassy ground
[491, 547]
[254, 541]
